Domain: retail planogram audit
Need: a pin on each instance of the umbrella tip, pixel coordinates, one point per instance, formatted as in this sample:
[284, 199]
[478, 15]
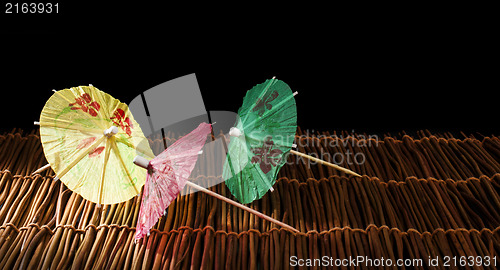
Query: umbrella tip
[141, 162]
[111, 131]
[295, 93]
[235, 132]
[36, 123]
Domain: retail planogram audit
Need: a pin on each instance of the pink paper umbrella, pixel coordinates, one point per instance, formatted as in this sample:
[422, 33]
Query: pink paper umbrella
[167, 176]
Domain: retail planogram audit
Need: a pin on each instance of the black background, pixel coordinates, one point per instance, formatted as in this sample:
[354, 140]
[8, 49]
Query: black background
[373, 74]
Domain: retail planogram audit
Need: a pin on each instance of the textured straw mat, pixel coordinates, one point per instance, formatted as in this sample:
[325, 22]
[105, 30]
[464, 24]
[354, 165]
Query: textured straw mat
[428, 196]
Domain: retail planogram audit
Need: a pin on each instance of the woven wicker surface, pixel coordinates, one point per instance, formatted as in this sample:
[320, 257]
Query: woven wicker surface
[434, 195]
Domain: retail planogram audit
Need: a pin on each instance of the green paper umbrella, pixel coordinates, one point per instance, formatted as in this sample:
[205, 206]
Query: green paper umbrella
[261, 140]
[263, 135]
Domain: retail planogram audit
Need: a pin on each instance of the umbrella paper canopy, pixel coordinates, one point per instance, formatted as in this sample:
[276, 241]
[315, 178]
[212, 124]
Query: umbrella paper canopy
[167, 175]
[264, 134]
[91, 162]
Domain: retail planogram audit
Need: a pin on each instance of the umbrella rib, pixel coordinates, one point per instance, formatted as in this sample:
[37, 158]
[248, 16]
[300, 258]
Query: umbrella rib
[228, 157]
[268, 112]
[101, 185]
[117, 153]
[70, 128]
[142, 148]
[263, 92]
[264, 179]
[61, 95]
[80, 157]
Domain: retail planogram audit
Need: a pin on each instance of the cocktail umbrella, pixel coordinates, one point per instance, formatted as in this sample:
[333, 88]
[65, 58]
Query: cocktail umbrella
[89, 139]
[168, 173]
[263, 135]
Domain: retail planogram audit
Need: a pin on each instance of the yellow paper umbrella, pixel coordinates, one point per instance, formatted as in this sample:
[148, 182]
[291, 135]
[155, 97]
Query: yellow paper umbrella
[90, 139]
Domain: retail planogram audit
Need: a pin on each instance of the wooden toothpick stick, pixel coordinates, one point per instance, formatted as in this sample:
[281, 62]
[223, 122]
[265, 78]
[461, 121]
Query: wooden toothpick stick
[239, 205]
[39, 170]
[324, 163]
[236, 133]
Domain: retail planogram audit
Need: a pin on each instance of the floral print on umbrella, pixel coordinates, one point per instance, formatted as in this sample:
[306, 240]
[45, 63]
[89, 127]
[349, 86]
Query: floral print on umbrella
[85, 103]
[123, 122]
[87, 143]
[266, 156]
[264, 103]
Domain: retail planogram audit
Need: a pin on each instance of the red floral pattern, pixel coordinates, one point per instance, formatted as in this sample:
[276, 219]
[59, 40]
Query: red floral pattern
[87, 143]
[96, 152]
[266, 156]
[85, 103]
[120, 120]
